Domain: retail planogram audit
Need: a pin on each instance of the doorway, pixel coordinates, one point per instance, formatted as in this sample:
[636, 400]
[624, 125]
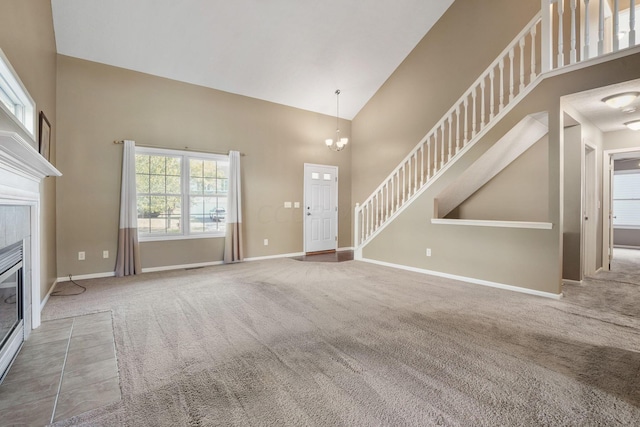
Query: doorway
[621, 219]
[320, 208]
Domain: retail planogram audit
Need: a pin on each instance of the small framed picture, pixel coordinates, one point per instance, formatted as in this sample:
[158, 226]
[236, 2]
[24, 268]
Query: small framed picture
[45, 135]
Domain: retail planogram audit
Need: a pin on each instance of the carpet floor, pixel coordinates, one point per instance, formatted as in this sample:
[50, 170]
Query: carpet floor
[282, 342]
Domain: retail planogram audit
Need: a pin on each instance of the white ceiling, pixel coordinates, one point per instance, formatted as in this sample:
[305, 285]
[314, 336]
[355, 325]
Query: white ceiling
[291, 52]
[607, 119]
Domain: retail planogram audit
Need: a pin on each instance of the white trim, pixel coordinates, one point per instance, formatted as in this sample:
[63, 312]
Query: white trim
[466, 279]
[626, 246]
[571, 282]
[491, 223]
[46, 298]
[166, 237]
[349, 248]
[181, 266]
[260, 258]
[29, 123]
[87, 276]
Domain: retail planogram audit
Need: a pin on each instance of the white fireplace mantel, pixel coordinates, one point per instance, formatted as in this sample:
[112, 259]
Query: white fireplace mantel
[18, 156]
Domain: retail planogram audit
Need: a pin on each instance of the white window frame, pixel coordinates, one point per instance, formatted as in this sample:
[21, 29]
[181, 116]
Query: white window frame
[185, 206]
[613, 199]
[13, 91]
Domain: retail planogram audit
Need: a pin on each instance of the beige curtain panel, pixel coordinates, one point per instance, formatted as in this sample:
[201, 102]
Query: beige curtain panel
[128, 257]
[233, 240]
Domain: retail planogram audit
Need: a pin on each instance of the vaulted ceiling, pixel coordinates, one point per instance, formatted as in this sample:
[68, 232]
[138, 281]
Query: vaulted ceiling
[291, 52]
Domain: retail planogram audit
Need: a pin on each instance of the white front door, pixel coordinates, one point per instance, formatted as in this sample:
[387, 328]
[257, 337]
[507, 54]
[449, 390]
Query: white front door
[320, 208]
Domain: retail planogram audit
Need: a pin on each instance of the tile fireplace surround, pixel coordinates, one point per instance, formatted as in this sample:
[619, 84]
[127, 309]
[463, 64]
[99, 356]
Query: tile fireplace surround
[22, 169]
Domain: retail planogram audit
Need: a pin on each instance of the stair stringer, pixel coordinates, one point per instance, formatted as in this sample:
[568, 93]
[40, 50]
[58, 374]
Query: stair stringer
[507, 149]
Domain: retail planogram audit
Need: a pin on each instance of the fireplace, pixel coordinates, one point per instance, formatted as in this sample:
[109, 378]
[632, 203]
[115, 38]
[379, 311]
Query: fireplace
[22, 169]
[11, 304]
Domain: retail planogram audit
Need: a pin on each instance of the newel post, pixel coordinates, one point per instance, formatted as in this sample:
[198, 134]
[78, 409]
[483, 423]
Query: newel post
[546, 48]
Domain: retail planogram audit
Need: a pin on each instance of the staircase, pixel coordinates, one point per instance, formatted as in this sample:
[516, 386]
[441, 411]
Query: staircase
[538, 49]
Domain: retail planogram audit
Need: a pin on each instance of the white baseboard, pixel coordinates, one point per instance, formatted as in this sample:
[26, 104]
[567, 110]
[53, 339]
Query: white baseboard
[466, 279]
[181, 267]
[260, 258]
[87, 276]
[46, 298]
[572, 282]
[350, 248]
[626, 247]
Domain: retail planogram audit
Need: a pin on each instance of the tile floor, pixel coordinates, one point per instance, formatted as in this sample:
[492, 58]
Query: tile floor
[66, 367]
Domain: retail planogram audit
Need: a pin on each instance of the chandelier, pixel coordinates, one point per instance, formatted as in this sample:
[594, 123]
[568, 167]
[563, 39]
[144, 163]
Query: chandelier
[340, 143]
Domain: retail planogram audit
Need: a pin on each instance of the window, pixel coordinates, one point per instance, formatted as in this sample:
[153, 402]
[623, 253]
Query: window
[180, 194]
[14, 98]
[626, 199]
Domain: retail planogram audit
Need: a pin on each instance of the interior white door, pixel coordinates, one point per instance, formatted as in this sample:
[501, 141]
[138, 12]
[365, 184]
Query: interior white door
[320, 208]
[589, 212]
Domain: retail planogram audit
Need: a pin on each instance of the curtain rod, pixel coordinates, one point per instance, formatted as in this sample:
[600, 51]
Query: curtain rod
[185, 149]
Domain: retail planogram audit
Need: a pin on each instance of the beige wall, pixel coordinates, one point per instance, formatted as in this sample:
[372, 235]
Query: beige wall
[98, 104]
[524, 183]
[28, 41]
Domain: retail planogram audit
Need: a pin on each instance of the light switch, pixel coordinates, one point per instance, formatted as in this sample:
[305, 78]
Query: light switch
[296, 205]
[287, 205]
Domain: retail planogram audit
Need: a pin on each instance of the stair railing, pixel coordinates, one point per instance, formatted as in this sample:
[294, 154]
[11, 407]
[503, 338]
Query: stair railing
[507, 77]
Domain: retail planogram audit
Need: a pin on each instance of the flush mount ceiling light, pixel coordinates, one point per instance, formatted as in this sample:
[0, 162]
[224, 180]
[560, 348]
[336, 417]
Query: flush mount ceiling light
[633, 125]
[340, 143]
[621, 99]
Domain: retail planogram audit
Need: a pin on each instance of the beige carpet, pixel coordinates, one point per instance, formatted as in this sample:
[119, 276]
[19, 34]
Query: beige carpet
[284, 342]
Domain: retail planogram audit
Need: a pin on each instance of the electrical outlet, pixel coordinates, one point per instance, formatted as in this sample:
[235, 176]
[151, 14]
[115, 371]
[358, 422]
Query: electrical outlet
[105, 254]
[428, 251]
[266, 242]
[81, 256]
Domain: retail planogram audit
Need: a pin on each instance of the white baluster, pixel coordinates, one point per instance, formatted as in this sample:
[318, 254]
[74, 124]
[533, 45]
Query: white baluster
[415, 174]
[356, 225]
[421, 165]
[616, 25]
[492, 103]
[585, 54]
[443, 146]
[428, 158]
[466, 120]
[532, 76]
[404, 182]
[457, 128]
[632, 23]
[546, 36]
[501, 65]
[370, 211]
[435, 152]
[450, 139]
[511, 82]
[572, 52]
[601, 28]
[475, 113]
[560, 34]
[521, 43]
[482, 103]
[376, 208]
[393, 193]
